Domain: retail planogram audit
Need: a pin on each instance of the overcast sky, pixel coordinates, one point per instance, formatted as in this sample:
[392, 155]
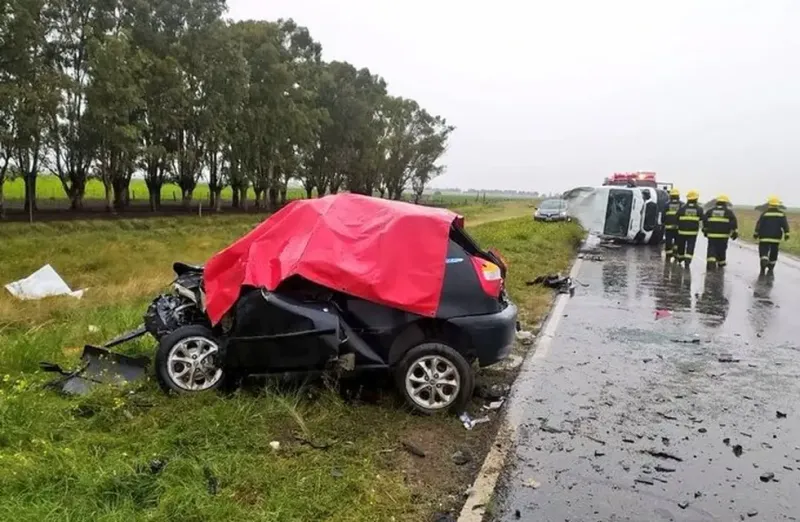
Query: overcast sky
[548, 95]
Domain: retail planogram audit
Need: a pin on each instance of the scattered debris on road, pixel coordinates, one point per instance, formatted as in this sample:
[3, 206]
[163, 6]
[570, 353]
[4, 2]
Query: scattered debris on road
[727, 358]
[752, 513]
[645, 480]
[662, 455]
[531, 483]
[563, 284]
[683, 504]
[767, 477]
[737, 450]
[590, 257]
[780, 415]
[662, 314]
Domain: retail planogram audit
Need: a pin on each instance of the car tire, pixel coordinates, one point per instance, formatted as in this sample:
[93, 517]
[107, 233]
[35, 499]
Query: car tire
[442, 359]
[190, 344]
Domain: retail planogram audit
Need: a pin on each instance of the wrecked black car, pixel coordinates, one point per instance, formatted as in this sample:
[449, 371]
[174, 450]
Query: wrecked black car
[341, 284]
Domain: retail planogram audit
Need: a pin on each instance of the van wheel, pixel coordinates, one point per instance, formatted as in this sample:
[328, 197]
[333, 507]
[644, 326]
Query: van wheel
[434, 378]
[187, 360]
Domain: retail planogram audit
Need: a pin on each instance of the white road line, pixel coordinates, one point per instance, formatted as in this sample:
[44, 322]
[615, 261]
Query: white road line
[482, 489]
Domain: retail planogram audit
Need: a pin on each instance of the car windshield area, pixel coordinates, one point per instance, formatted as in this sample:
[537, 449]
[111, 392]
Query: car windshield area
[553, 205]
[618, 212]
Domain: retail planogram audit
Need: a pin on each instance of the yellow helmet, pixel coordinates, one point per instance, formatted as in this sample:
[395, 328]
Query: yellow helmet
[692, 195]
[674, 192]
[723, 198]
[774, 201]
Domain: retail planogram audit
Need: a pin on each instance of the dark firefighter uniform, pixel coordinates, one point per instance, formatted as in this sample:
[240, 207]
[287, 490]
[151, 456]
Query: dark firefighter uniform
[771, 227]
[719, 224]
[690, 215]
[671, 224]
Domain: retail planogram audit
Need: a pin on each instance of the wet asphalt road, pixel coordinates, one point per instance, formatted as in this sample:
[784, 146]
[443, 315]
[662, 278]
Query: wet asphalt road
[617, 382]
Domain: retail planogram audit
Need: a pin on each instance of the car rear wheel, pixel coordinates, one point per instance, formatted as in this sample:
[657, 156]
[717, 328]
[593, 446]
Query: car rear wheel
[187, 360]
[434, 378]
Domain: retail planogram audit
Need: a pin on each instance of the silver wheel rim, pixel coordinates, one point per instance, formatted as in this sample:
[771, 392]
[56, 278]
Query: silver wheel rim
[192, 364]
[433, 382]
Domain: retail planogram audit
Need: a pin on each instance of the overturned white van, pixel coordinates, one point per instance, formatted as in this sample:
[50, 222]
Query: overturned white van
[625, 214]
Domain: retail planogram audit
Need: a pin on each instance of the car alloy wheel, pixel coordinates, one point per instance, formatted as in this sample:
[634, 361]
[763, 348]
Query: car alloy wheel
[192, 365]
[432, 382]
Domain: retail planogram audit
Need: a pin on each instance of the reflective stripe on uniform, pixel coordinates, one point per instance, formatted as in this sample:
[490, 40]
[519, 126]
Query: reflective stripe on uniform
[719, 220]
[671, 227]
[765, 258]
[687, 232]
[774, 214]
[671, 212]
[723, 263]
[768, 240]
[718, 236]
[689, 218]
[711, 259]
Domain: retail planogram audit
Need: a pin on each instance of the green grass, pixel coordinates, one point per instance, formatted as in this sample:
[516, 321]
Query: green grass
[48, 187]
[747, 222]
[89, 458]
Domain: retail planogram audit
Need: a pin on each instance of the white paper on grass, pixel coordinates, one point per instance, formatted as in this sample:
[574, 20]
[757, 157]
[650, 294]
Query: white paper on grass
[45, 282]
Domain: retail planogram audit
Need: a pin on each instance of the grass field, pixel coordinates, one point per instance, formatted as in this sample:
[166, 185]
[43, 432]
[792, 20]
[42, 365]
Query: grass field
[49, 187]
[97, 457]
[747, 222]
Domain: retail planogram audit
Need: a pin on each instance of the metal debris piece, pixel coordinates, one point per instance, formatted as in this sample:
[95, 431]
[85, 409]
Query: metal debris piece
[98, 366]
[683, 504]
[780, 415]
[413, 449]
[662, 455]
[767, 477]
[737, 450]
[727, 358]
[531, 483]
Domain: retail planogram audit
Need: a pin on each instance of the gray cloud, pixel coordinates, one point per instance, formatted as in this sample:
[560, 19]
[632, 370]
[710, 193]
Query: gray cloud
[548, 95]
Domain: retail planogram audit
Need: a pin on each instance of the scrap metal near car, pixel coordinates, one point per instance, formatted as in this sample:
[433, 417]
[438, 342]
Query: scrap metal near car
[342, 284]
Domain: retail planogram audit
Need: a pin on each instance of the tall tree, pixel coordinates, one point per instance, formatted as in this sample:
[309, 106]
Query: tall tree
[75, 24]
[115, 104]
[28, 66]
[223, 100]
[432, 144]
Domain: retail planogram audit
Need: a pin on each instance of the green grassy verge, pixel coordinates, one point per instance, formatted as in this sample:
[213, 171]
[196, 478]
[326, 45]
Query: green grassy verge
[747, 222]
[100, 457]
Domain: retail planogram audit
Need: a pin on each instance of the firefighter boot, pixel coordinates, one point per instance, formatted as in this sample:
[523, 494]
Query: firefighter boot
[763, 267]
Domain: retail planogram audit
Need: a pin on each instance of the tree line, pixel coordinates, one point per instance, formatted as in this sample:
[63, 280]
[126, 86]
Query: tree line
[173, 92]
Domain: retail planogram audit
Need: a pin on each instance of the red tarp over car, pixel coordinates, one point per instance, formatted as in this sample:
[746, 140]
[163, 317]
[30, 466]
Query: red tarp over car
[387, 252]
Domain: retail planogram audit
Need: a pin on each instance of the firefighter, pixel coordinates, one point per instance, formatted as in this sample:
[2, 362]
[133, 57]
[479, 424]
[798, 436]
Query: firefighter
[689, 216]
[719, 224]
[671, 223]
[771, 227]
